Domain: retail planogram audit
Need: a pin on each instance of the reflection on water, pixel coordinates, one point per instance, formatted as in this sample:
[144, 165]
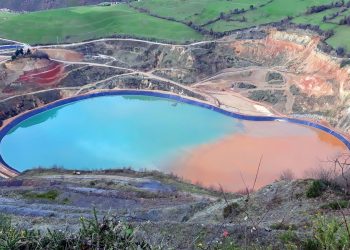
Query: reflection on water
[50, 114]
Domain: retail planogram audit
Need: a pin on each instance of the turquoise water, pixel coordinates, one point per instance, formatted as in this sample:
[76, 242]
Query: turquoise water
[113, 132]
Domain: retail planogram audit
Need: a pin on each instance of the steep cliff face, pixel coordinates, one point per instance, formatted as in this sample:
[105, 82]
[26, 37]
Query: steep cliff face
[316, 73]
[315, 82]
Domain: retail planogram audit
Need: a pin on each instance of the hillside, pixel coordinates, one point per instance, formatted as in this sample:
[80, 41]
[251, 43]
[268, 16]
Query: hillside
[35, 5]
[177, 21]
[166, 212]
[84, 23]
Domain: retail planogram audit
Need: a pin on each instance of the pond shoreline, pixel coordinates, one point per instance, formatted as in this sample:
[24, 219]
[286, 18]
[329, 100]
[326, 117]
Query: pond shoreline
[8, 171]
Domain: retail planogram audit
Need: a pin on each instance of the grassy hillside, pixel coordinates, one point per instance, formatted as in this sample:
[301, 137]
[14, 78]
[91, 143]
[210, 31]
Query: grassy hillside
[250, 14]
[171, 20]
[35, 5]
[197, 11]
[82, 23]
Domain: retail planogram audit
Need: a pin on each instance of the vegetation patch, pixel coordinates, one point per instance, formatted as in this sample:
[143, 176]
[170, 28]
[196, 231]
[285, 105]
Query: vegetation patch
[283, 226]
[315, 189]
[231, 209]
[336, 205]
[274, 78]
[49, 195]
[107, 233]
[344, 63]
[92, 22]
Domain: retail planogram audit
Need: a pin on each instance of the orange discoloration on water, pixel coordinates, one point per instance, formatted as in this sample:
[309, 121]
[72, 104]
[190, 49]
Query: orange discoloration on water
[283, 146]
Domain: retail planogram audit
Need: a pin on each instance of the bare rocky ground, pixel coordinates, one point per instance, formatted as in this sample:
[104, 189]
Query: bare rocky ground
[168, 212]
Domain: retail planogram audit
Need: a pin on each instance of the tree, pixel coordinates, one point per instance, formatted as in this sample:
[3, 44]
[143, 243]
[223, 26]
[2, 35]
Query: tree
[340, 51]
[251, 7]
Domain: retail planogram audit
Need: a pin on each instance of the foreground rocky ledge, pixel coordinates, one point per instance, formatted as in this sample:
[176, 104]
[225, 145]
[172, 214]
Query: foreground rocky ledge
[165, 210]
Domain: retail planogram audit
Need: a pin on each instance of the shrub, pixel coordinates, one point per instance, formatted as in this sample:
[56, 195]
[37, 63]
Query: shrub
[330, 233]
[283, 226]
[336, 205]
[288, 237]
[340, 51]
[231, 209]
[344, 63]
[94, 234]
[49, 195]
[316, 189]
[310, 244]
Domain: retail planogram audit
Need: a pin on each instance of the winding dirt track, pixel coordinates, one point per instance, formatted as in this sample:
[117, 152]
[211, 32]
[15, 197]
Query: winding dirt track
[228, 101]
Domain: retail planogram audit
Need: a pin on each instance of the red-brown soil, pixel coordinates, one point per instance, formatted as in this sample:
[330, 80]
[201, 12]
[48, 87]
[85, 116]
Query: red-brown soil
[49, 75]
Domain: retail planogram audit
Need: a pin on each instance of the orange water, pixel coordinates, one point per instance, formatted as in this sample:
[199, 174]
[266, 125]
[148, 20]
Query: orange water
[233, 161]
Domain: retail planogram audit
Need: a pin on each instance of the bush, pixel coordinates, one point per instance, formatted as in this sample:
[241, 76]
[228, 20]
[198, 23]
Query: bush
[310, 244]
[336, 205]
[231, 209]
[107, 234]
[344, 63]
[340, 51]
[49, 195]
[288, 237]
[283, 226]
[330, 233]
[316, 189]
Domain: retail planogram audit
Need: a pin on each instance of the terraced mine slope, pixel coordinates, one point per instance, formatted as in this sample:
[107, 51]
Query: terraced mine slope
[278, 70]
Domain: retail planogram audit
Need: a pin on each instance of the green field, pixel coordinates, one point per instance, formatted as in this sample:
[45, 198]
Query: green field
[272, 12]
[197, 11]
[83, 23]
[91, 22]
[341, 37]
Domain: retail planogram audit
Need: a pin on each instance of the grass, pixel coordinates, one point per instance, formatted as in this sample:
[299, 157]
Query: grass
[283, 226]
[341, 37]
[336, 205]
[272, 12]
[49, 195]
[197, 11]
[107, 233]
[83, 23]
[231, 209]
[91, 22]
